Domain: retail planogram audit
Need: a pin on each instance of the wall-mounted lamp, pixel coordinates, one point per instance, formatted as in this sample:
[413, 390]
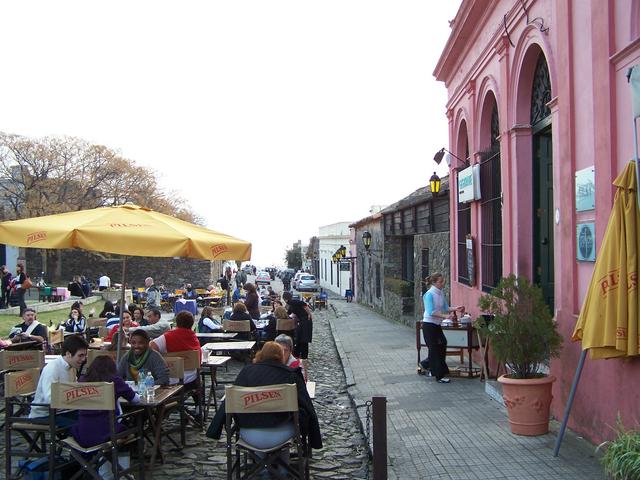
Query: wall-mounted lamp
[366, 239]
[440, 154]
[434, 183]
[343, 251]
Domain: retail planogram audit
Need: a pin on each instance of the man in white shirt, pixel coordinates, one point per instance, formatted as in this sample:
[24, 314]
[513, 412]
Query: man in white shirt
[63, 369]
[153, 294]
[156, 325]
[104, 282]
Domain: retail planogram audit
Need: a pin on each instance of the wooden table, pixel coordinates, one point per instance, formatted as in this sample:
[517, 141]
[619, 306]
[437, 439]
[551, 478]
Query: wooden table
[228, 346]
[461, 337]
[217, 335]
[23, 345]
[212, 363]
[155, 412]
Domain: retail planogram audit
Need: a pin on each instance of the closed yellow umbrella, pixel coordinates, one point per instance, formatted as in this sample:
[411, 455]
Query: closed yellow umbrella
[124, 230]
[608, 321]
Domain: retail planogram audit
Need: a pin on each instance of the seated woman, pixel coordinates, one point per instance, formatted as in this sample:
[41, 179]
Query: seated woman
[270, 429]
[107, 310]
[127, 322]
[289, 360]
[141, 357]
[138, 316]
[75, 287]
[76, 323]
[240, 313]
[208, 323]
[93, 425]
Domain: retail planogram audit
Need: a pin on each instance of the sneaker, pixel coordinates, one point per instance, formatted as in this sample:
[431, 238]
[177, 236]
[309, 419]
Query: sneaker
[444, 380]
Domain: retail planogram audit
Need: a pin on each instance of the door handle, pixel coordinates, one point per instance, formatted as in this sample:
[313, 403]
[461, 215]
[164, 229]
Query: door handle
[545, 241]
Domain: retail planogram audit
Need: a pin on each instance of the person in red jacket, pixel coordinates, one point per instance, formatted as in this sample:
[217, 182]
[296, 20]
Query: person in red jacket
[180, 339]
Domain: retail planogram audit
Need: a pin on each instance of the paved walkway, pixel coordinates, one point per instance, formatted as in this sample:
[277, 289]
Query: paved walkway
[442, 431]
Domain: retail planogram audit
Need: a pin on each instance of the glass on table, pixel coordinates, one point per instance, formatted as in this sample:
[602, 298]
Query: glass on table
[205, 355]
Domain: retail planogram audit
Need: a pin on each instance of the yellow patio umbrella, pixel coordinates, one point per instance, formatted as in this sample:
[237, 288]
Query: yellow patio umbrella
[608, 321]
[124, 230]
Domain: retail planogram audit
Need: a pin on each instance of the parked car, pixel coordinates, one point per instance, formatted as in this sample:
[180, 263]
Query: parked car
[263, 278]
[248, 269]
[296, 278]
[307, 283]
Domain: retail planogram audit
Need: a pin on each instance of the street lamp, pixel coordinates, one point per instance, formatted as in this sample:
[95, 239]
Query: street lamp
[434, 183]
[366, 239]
[343, 251]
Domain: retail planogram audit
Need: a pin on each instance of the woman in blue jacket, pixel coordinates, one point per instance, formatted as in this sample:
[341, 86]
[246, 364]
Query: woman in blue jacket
[436, 309]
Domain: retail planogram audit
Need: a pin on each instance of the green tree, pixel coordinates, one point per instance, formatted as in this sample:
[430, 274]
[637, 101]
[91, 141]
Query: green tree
[293, 257]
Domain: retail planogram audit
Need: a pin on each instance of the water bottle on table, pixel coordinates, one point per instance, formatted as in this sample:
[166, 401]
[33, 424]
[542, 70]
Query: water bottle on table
[150, 388]
[142, 387]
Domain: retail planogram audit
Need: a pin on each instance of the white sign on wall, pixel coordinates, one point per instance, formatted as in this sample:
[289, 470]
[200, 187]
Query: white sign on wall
[469, 184]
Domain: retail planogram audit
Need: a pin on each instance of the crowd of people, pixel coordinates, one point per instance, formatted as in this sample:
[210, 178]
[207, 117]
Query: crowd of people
[282, 358]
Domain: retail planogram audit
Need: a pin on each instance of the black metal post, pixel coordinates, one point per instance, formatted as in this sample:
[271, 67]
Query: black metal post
[379, 407]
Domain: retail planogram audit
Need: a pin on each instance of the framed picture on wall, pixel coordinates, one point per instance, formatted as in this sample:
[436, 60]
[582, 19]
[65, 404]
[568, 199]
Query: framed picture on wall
[586, 242]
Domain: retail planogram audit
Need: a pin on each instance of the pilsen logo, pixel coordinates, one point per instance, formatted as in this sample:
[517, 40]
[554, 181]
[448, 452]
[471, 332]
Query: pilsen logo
[611, 281]
[36, 237]
[128, 225]
[14, 359]
[261, 397]
[219, 249]
[81, 392]
[23, 380]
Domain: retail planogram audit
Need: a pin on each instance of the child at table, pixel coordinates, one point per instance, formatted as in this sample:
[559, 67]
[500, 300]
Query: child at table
[93, 425]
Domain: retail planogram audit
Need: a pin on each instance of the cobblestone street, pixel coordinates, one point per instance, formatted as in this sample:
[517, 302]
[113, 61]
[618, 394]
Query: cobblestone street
[343, 456]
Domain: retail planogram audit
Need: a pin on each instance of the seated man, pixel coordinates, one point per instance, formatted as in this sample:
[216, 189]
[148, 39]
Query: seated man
[63, 369]
[180, 339]
[141, 357]
[30, 329]
[156, 326]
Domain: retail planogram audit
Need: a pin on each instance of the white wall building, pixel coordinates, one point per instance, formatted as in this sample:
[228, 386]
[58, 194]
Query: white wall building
[333, 277]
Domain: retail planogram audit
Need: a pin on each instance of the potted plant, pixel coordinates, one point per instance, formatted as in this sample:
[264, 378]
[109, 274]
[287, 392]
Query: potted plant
[523, 337]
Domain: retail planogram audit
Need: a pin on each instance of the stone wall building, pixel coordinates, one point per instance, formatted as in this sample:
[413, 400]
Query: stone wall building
[61, 265]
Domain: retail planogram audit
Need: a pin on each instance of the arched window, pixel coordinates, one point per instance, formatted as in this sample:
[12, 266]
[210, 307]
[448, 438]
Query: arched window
[464, 213]
[491, 207]
[540, 92]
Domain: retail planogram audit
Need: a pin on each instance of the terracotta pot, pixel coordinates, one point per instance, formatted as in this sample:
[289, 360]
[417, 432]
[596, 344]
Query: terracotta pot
[528, 401]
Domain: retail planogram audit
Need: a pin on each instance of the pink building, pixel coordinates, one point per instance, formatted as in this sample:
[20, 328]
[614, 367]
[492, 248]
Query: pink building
[539, 100]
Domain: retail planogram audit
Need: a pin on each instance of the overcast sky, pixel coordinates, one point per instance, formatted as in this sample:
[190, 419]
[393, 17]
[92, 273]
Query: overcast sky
[271, 118]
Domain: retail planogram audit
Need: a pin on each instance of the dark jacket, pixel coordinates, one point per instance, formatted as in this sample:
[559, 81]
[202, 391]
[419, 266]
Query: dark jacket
[271, 373]
[304, 328]
[252, 302]
[75, 289]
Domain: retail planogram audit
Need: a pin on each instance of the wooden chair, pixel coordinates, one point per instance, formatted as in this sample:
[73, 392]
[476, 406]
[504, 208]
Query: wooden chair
[286, 326]
[273, 399]
[56, 337]
[92, 354]
[103, 332]
[236, 326]
[176, 370]
[100, 396]
[34, 434]
[191, 360]
[20, 360]
[96, 322]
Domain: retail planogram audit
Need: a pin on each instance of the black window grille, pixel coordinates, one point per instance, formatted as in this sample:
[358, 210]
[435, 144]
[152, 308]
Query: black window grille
[464, 229]
[541, 92]
[491, 215]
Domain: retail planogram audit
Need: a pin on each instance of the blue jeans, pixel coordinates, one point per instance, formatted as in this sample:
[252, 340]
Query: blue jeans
[267, 437]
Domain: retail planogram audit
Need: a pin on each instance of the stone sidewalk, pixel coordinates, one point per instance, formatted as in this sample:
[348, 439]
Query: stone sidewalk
[442, 431]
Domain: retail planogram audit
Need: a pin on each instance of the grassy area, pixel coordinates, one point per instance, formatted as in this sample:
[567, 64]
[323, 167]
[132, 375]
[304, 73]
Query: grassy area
[7, 322]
